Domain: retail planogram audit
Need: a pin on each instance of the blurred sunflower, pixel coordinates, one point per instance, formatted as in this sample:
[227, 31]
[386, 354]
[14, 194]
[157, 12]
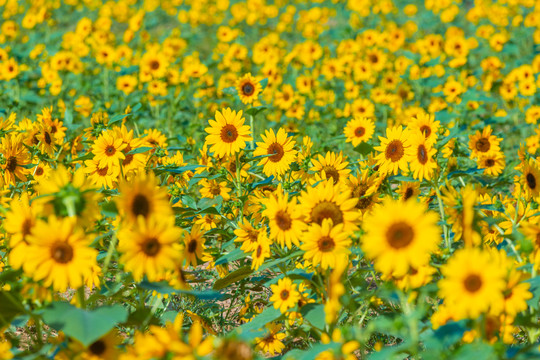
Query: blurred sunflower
[284, 295]
[284, 218]
[227, 134]
[150, 247]
[400, 235]
[420, 156]
[359, 130]
[391, 157]
[331, 165]
[261, 251]
[248, 88]
[194, 245]
[483, 142]
[14, 159]
[326, 244]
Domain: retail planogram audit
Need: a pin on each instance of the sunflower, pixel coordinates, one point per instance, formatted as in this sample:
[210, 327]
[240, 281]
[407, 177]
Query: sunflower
[227, 134]
[131, 161]
[194, 245]
[150, 247]
[426, 125]
[392, 150]
[400, 235]
[278, 150]
[330, 166]
[472, 283]
[104, 348]
[213, 188]
[329, 201]
[261, 250]
[284, 295]
[248, 88]
[107, 149]
[105, 176]
[516, 293]
[14, 159]
[493, 163]
[420, 156]
[408, 190]
[364, 188]
[359, 130]
[326, 245]
[530, 179]
[141, 196]
[58, 253]
[284, 218]
[483, 142]
[247, 235]
[272, 341]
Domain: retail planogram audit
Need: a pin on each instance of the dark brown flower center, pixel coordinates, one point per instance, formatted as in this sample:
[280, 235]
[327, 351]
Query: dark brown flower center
[11, 164]
[248, 89]
[47, 138]
[103, 171]
[151, 246]
[283, 220]
[326, 244]
[110, 150]
[284, 294]
[408, 193]
[259, 251]
[98, 347]
[192, 246]
[422, 154]
[332, 172]
[215, 189]
[327, 210]
[394, 150]
[426, 130]
[277, 151]
[154, 64]
[473, 283]
[490, 162]
[39, 171]
[483, 145]
[399, 235]
[531, 181]
[229, 133]
[359, 131]
[62, 252]
[140, 206]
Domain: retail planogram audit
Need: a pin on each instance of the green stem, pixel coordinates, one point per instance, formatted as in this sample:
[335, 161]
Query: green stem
[107, 261]
[81, 297]
[443, 216]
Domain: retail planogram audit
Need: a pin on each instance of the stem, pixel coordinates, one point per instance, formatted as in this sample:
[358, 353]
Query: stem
[80, 297]
[106, 262]
[443, 216]
[252, 143]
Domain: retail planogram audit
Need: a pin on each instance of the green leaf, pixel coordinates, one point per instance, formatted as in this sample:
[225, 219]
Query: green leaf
[181, 169]
[10, 307]
[535, 290]
[232, 256]
[109, 209]
[476, 351]
[140, 150]
[255, 110]
[311, 353]
[85, 326]
[267, 316]
[264, 83]
[163, 287]
[233, 277]
[117, 118]
[230, 90]
[364, 149]
[314, 313]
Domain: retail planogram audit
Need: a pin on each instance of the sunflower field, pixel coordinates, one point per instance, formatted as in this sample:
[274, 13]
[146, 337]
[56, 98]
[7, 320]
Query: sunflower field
[256, 179]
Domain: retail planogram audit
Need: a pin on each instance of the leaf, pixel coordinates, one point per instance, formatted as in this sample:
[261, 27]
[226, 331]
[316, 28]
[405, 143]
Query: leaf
[140, 150]
[181, 169]
[476, 351]
[129, 70]
[233, 277]
[163, 287]
[109, 209]
[364, 149]
[255, 110]
[314, 313]
[10, 307]
[269, 264]
[535, 290]
[311, 353]
[267, 316]
[232, 256]
[85, 326]
[264, 83]
[117, 118]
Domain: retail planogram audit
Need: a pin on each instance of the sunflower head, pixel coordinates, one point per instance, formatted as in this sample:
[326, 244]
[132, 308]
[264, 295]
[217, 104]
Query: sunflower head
[248, 88]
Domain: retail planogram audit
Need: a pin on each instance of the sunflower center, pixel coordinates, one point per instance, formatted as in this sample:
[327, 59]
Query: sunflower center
[192, 246]
[103, 171]
[154, 65]
[259, 251]
[98, 347]
[39, 171]
[47, 137]
[408, 193]
[62, 252]
[326, 244]
[11, 164]
[110, 150]
[248, 89]
[252, 236]
[140, 206]
[538, 239]
[331, 171]
[483, 145]
[284, 294]
[151, 246]
[127, 160]
[422, 154]
[359, 131]
[531, 181]
[399, 235]
[473, 283]
[394, 150]
[229, 133]
[426, 130]
[490, 162]
[277, 151]
[215, 189]
[26, 227]
[327, 210]
[283, 220]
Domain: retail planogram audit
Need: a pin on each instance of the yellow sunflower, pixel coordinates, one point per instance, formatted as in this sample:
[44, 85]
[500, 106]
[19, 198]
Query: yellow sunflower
[14, 159]
[426, 125]
[408, 190]
[483, 142]
[530, 179]
[420, 156]
[284, 295]
[248, 88]
[359, 130]
[391, 157]
[472, 283]
[194, 245]
[278, 150]
[326, 244]
[59, 254]
[213, 188]
[261, 250]
[141, 196]
[329, 201]
[285, 219]
[227, 134]
[107, 149]
[247, 235]
[330, 166]
[400, 235]
[150, 247]
[272, 341]
[493, 163]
